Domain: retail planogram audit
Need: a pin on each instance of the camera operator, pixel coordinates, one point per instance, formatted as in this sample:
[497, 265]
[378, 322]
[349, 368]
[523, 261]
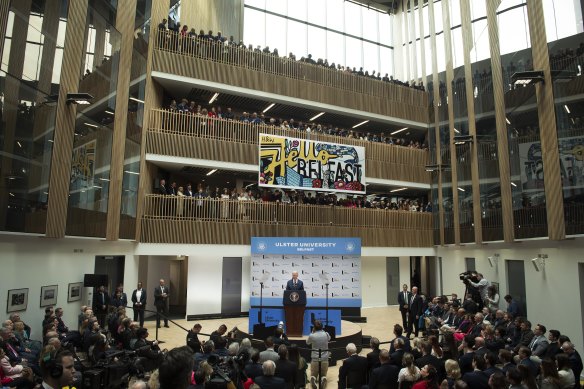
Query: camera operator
[147, 349]
[476, 280]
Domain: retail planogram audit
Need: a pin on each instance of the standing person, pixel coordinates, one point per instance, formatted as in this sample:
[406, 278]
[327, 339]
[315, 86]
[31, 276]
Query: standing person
[295, 283]
[101, 301]
[318, 339]
[161, 294]
[415, 311]
[119, 299]
[403, 299]
[139, 303]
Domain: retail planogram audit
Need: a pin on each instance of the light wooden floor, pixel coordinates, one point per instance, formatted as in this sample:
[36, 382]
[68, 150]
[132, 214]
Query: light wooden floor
[380, 323]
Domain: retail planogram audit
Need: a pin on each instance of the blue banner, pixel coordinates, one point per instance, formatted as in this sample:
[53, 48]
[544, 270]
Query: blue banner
[273, 316]
[300, 246]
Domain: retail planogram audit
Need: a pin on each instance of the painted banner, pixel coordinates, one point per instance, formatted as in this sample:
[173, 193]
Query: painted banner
[294, 163]
[83, 166]
[571, 165]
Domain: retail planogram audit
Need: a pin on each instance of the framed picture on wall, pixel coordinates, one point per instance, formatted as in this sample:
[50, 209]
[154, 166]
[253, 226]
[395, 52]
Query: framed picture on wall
[49, 295]
[74, 293]
[17, 300]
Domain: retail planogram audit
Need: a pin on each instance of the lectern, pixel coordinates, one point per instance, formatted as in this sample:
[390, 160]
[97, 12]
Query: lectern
[294, 305]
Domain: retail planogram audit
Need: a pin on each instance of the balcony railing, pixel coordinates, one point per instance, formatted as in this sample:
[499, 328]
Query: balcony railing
[195, 136]
[179, 219]
[233, 55]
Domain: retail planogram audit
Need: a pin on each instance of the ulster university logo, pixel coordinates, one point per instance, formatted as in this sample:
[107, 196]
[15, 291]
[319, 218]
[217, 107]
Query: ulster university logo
[294, 297]
[262, 246]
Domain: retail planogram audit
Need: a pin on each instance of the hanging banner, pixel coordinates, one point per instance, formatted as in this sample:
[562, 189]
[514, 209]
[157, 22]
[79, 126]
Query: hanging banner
[294, 163]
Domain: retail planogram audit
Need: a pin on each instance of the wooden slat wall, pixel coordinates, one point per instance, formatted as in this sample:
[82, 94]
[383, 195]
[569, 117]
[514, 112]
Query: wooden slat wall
[171, 219]
[554, 194]
[185, 135]
[125, 13]
[266, 73]
[467, 43]
[216, 15]
[65, 121]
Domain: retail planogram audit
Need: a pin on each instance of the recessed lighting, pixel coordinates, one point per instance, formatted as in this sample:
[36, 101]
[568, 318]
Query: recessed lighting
[214, 98]
[567, 109]
[211, 172]
[462, 190]
[52, 141]
[109, 112]
[18, 143]
[104, 179]
[507, 120]
[360, 124]
[137, 100]
[455, 130]
[92, 125]
[97, 186]
[514, 184]
[268, 108]
[11, 194]
[397, 190]
[398, 131]
[316, 116]
[129, 172]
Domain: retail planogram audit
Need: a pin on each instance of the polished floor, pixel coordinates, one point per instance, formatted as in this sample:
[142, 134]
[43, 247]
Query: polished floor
[379, 323]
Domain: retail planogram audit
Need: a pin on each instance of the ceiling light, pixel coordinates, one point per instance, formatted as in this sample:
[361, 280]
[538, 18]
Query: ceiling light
[398, 131]
[104, 179]
[130, 172]
[91, 125]
[316, 116]
[397, 190]
[455, 130]
[514, 184]
[214, 98]
[11, 194]
[527, 77]
[360, 124]
[18, 143]
[79, 98]
[462, 190]
[97, 186]
[211, 172]
[463, 139]
[137, 100]
[268, 108]
[50, 140]
[507, 120]
[567, 109]
[109, 112]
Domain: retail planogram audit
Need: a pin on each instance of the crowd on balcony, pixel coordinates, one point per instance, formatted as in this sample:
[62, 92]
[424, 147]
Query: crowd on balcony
[260, 119]
[399, 203]
[180, 38]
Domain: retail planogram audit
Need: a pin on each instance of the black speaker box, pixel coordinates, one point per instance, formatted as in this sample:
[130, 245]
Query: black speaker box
[92, 379]
[95, 280]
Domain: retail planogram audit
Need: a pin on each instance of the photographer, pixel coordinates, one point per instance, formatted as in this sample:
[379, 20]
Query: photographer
[476, 280]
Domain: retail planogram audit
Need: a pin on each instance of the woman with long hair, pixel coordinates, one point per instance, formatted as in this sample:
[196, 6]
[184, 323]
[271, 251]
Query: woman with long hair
[294, 356]
[565, 372]
[527, 378]
[492, 300]
[548, 377]
[436, 349]
[449, 346]
[452, 373]
[429, 378]
[409, 374]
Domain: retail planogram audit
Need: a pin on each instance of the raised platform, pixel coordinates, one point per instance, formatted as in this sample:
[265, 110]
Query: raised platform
[352, 333]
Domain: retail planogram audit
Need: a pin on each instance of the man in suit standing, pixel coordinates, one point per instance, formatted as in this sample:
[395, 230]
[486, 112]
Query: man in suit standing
[295, 283]
[162, 188]
[101, 303]
[403, 299]
[139, 303]
[161, 294]
[353, 372]
[415, 312]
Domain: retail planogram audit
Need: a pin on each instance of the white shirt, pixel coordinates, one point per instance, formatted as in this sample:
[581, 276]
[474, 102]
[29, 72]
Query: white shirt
[138, 294]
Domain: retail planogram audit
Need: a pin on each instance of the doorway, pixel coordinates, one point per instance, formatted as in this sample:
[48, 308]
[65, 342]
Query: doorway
[113, 267]
[392, 277]
[516, 283]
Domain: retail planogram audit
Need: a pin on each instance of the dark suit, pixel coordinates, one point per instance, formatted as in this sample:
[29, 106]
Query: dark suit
[161, 304]
[270, 382]
[99, 301]
[404, 300]
[384, 376]
[253, 370]
[416, 309]
[139, 308]
[396, 357]
[286, 370]
[353, 372]
[373, 360]
[465, 362]
[299, 285]
[162, 190]
[434, 361]
[476, 380]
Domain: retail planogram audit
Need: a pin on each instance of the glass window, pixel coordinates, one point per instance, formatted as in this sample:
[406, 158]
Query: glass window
[385, 30]
[513, 29]
[438, 17]
[277, 6]
[353, 19]
[426, 21]
[276, 33]
[34, 29]
[256, 3]
[481, 49]
[371, 57]
[335, 15]
[297, 39]
[353, 52]
[254, 28]
[370, 22]
[335, 48]
[316, 42]
[454, 13]
[457, 49]
[562, 19]
[32, 61]
[428, 54]
[386, 61]
[297, 9]
[316, 13]
[440, 53]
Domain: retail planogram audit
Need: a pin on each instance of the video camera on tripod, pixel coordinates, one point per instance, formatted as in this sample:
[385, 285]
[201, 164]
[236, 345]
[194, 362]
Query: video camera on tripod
[467, 276]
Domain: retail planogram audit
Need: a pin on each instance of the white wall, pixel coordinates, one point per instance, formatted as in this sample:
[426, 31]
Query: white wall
[373, 281]
[553, 295]
[32, 262]
[158, 267]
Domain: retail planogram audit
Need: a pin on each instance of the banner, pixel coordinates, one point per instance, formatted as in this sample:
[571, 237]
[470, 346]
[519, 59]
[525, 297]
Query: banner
[302, 164]
[83, 166]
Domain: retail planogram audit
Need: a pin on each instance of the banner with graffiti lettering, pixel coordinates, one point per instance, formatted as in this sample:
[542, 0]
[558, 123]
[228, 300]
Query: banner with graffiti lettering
[83, 166]
[571, 164]
[302, 164]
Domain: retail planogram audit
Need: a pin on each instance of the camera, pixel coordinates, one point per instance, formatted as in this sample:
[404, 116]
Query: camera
[467, 276]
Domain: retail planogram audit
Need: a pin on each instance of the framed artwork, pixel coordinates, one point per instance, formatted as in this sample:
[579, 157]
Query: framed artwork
[17, 300]
[49, 295]
[74, 293]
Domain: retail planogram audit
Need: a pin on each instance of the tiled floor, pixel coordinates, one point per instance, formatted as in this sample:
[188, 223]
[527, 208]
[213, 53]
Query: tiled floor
[380, 323]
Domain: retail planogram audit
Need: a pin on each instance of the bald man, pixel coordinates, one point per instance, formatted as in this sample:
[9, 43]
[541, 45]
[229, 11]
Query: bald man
[295, 283]
[161, 294]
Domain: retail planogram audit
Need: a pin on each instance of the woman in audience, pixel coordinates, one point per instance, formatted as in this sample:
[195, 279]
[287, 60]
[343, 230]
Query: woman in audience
[294, 356]
[492, 299]
[565, 373]
[23, 338]
[416, 348]
[436, 349]
[527, 378]
[14, 376]
[548, 376]
[452, 373]
[429, 378]
[497, 381]
[409, 373]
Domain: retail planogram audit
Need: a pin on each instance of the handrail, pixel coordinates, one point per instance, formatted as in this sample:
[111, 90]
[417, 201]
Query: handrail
[167, 121]
[163, 207]
[194, 46]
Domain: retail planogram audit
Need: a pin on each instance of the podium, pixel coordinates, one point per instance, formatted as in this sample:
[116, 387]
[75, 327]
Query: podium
[294, 302]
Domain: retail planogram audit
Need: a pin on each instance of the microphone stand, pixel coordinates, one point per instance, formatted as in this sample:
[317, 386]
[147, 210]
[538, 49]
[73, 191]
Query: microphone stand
[327, 307]
[260, 316]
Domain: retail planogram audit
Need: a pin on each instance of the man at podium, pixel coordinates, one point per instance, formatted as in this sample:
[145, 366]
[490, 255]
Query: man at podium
[295, 283]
